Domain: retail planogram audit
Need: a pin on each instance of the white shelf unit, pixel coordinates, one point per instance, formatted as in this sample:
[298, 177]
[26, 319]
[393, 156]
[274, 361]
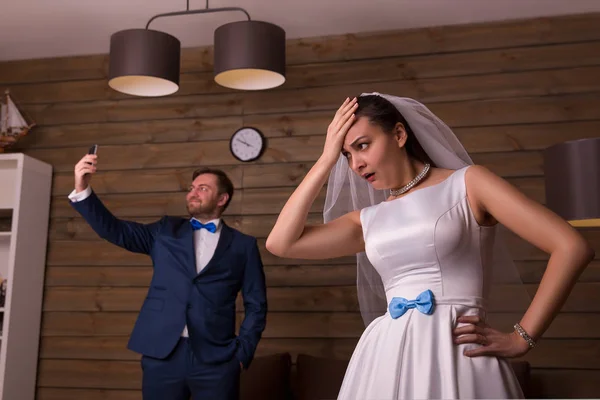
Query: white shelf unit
[25, 188]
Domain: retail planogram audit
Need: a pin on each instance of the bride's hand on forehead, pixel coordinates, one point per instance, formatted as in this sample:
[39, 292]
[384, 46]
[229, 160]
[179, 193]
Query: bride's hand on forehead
[338, 128]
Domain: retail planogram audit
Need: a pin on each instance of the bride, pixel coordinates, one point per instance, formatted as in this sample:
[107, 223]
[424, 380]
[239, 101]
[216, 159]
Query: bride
[404, 196]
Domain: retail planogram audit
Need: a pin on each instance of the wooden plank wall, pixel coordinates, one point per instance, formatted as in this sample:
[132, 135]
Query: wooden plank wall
[508, 89]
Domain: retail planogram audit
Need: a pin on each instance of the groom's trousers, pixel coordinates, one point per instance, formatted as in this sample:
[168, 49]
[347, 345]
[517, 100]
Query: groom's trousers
[181, 374]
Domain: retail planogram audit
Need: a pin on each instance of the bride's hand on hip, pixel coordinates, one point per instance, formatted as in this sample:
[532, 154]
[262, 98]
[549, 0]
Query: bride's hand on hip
[492, 341]
[338, 128]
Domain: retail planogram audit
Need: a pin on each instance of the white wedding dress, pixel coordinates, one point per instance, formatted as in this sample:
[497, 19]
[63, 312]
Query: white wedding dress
[428, 239]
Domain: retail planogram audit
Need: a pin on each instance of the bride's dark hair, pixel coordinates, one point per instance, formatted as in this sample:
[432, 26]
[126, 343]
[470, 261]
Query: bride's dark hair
[382, 113]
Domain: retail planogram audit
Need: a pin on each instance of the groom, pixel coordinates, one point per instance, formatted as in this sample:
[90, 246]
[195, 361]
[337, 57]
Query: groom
[185, 330]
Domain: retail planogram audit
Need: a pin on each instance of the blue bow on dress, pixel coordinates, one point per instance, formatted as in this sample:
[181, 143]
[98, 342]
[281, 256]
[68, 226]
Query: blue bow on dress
[211, 227]
[424, 303]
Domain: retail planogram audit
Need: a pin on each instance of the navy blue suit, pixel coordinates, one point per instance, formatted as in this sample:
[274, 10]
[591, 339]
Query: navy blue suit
[178, 295]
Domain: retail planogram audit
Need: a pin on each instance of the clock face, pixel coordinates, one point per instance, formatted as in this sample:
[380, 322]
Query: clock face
[247, 144]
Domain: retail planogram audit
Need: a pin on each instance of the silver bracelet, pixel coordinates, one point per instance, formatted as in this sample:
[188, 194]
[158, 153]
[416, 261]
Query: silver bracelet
[524, 335]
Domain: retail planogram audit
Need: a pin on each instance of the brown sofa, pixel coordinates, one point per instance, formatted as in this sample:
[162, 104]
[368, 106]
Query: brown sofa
[311, 378]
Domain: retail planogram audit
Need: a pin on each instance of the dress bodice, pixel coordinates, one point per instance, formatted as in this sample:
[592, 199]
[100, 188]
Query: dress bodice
[430, 239]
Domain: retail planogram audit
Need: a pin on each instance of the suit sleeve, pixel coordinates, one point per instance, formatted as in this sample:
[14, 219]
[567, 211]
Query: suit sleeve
[254, 293]
[132, 236]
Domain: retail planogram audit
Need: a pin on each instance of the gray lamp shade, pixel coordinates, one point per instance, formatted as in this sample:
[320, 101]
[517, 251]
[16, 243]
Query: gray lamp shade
[572, 174]
[144, 62]
[249, 55]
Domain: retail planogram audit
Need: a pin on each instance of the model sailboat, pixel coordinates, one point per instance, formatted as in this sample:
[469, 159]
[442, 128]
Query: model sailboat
[13, 125]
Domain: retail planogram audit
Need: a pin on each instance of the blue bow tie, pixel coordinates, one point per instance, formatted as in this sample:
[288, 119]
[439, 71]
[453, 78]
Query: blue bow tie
[424, 303]
[211, 227]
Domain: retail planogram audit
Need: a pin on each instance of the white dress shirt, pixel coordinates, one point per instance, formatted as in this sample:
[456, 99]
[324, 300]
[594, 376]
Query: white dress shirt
[205, 242]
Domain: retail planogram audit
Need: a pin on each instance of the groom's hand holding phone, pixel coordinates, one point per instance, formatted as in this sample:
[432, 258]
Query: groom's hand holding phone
[85, 168]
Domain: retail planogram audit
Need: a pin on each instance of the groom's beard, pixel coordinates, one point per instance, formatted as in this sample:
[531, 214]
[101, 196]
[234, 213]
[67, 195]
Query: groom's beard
[202, 209]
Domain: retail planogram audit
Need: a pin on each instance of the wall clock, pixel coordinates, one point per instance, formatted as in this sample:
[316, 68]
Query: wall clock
[247, 144]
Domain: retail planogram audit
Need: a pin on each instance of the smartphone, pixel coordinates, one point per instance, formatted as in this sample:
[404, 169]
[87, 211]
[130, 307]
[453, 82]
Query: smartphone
[92, 150]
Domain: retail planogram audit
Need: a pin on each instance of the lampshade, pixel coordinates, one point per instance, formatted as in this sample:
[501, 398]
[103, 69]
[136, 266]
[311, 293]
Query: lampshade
[144, 62]
[249, 55]
[572, 173]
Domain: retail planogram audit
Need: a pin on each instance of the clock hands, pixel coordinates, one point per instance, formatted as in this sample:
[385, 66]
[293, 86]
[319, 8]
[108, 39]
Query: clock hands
[240, 140]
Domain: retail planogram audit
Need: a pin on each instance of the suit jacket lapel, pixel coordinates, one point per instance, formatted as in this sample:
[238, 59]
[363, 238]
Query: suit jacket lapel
[224, 241]
[187, 235]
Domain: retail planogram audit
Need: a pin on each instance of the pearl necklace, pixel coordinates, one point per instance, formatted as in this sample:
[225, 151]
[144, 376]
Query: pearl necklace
[411, 184]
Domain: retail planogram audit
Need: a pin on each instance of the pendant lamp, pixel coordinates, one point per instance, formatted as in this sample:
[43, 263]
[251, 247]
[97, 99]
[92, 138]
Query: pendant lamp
[572, 175]
[144, 62]
[249, 55]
